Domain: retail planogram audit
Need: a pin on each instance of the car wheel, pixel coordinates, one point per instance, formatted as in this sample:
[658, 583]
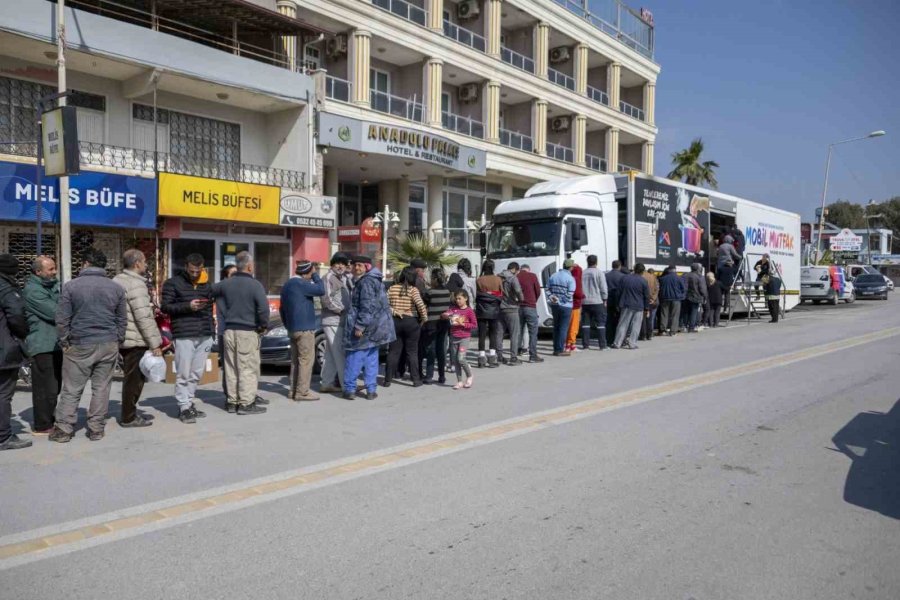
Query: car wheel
[320, 353]
[817, 302]
[852, 298]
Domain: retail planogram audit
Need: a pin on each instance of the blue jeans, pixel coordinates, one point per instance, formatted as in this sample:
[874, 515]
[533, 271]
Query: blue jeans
[561, 317]
[365, 361]
[528, 316]
[693, 315]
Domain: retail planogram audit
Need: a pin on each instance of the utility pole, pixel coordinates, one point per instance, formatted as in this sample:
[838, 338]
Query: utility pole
[65, 228]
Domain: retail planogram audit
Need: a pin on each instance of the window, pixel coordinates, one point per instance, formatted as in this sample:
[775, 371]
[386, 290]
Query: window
[348, 199]
[534, 238]
[205, 248]
[445, 102]
[273, 265]
[380, 81]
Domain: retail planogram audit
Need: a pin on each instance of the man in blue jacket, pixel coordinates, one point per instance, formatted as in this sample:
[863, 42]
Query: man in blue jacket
[634, 305]
[298, 313]
[369, 326]
[670, 299]
[560, 294]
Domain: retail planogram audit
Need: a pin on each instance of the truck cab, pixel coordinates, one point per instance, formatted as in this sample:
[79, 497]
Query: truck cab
[570, 218]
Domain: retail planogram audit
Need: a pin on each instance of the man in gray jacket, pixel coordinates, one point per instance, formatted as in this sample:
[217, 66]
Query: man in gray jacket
[509, 311]
[334, 315]
[246, 318]
[141, 335]
[593, 307]
[91, 321]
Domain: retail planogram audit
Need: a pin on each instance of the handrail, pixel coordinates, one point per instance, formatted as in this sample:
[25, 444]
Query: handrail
[598, 95]
[464, 36]
[623, 168]
[337, 88]
[404, 10]
[560, 152]
[464, 125]
[394, 105]
[631, 110]
[595, 162]
[514, 139]
[560, 78]
[516, 59]
[617, 20]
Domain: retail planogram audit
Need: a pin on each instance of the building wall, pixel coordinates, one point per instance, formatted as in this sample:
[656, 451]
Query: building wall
[517, 117]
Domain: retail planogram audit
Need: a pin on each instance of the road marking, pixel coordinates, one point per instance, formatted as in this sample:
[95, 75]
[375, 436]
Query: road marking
[22, 548]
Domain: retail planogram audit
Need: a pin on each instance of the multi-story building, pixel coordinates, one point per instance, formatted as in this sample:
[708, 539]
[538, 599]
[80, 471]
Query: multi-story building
[437, 109]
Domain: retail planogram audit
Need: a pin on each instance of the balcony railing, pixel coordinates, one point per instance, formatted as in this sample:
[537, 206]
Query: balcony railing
[464, 36]
[624, 168]
[561, 79]
[404, 10]
[560, 152]
[519, 61]
[399, 107]
[595, 162]
[337, 89]
[598, 95]
[516, 140]
[463, 125]
[616, 20]
[631, 111]
[142, 161]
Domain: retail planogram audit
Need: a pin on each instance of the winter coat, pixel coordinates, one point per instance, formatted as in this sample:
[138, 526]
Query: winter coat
[488, 299]
[726, 275]
[41, 299]
[460, 281]
[561, 286]
[369, 314]
[670, 287]
[298, 309]
[512, 292]
[335, 300]
[13, 325]
[613, 281]
[531, 288]
[177, 293]
[653, 284]
[142, 330]
[245, 303]
[716, 291]
[578, 296]
[726, 252]
[634, 293]
[593, 283]
[696, 287]
[92, 310]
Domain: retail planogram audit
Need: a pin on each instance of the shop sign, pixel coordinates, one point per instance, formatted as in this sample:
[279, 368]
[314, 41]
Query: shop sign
[218, 199]
[348, 234]
[105, 199]
[671, 224]
[369, 231]
[303, 210]
[845, 241]
[886, 259]
[408, 143]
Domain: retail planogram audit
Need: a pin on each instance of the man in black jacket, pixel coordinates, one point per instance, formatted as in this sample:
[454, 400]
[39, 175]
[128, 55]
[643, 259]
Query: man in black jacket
[13, 330]
[186, 298]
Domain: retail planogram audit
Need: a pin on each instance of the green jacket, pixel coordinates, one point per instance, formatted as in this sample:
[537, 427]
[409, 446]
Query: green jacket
[41, 297]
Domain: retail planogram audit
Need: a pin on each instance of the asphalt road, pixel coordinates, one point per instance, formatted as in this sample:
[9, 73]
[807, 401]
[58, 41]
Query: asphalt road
[753, 461]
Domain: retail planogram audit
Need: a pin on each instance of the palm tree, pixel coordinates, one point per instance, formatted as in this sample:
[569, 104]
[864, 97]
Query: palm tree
[418, 245]
[689, 169]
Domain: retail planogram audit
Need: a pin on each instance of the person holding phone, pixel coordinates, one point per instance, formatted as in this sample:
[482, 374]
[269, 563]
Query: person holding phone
[186, 299]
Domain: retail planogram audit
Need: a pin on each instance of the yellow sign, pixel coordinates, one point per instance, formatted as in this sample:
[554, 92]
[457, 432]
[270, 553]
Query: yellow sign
[185, 196]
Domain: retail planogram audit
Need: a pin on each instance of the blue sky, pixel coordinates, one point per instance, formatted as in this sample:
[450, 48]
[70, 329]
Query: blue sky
[768, 85]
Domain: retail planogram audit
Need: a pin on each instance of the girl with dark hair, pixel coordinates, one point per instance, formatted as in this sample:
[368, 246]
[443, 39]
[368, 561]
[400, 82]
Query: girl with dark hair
[434, 333]
[409, 311]
[463, 280]
[462, 321]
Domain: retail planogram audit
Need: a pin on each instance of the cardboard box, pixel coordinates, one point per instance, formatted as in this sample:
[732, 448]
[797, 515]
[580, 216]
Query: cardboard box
[210, 372]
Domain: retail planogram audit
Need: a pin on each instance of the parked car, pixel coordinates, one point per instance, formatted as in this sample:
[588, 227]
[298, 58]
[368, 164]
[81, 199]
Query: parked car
[871, 285]
[849, 295]
[889, 282]
[275, 346]
[815, 285]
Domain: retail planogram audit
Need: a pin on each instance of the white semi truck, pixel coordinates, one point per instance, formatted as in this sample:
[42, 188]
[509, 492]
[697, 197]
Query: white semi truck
[637, 218]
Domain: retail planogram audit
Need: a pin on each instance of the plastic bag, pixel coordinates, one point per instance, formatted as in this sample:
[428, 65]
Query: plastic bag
[153, 367]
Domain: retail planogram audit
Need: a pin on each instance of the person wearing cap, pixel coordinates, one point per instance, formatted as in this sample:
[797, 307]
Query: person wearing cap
[334, 317]
[298, 313]
[560, 295]
[13, 330]
[369, 325]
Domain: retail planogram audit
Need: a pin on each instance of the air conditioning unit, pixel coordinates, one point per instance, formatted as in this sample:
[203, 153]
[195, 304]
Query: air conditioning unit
[559, 54]
[561, 124]
[336, 46]
[468, 93]
[467, 9]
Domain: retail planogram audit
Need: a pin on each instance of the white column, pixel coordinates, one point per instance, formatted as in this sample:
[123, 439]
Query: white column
[435, 202]
[289, 42]
[613, 83]
[492, 31]
[360, 58]
[490, 109]
[579, 139]
[581, 68]
[541, 48]
[647, 158]
[432, 84]
[435, 20]
[539, 126]
[650, 103]
[612, 150]
[403, 203]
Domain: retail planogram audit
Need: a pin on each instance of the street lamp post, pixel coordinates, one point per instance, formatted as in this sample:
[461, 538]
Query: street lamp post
[868, 232]
[385, 218]
[831, 146]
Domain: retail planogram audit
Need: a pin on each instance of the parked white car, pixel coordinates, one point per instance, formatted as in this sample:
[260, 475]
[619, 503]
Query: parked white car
[815, 285]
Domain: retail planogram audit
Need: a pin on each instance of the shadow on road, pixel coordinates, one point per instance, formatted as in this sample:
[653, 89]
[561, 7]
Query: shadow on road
[871, 440]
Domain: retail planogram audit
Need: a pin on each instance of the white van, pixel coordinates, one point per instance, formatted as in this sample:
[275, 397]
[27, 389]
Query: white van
[815, 285]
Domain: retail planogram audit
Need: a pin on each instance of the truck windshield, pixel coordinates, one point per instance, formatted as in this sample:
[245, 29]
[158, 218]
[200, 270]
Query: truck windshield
[529, 238]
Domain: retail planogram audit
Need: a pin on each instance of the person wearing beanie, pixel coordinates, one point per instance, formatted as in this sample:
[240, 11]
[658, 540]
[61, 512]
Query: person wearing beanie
[91, 321]
[13, 330]
[298, 313]
[334, 317]
[560, 292]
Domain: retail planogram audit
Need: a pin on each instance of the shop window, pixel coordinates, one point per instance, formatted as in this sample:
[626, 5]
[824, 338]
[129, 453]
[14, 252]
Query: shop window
[273, 265]
[205, 248]
[370, 204]
[416, 220]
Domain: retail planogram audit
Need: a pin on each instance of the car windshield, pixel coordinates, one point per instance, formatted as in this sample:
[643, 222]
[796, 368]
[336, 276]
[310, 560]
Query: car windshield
[869, 278]
[530, 238]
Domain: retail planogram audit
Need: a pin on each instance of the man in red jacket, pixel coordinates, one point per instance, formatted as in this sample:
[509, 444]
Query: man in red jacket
[577, 299]
[531, 291]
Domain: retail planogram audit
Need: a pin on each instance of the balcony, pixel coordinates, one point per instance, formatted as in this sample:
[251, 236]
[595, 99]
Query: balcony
[632, 111]
[616, 20]
[559, 152]
[514, 139]
[561, 79]
[464, 36]
[404, 10]
[337, 89]
[464, 125]
[623, 168]
[399, 107]
[519, 61]
[598, 95]
[595, 163]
